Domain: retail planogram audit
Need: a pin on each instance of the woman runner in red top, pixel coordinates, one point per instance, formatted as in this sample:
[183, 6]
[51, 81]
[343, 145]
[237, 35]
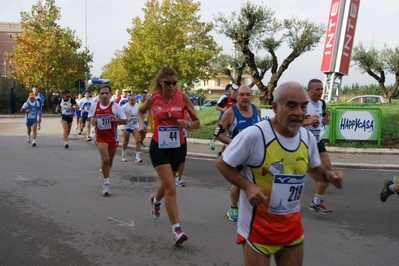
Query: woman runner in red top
[168, 105]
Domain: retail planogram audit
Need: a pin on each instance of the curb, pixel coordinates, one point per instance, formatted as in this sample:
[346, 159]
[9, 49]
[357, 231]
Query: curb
[366, 166]
[329, 149]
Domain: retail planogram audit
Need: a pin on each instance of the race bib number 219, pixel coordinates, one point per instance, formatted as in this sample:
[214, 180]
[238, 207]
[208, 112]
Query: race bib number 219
[286, 193]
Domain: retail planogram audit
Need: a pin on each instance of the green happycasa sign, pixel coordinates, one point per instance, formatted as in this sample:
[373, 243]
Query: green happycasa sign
[349, 123]
[353, 123]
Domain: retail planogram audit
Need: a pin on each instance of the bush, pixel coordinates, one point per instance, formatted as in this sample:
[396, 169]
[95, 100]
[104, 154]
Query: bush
[389, 135]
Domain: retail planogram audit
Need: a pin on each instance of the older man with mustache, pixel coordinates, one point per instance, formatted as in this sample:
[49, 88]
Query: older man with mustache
[275, 154]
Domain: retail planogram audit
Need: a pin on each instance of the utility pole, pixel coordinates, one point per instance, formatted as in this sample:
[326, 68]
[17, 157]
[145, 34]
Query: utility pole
[86, 74]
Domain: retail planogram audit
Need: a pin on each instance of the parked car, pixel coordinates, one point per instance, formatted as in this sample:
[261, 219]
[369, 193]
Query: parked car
[210, 103]
[367, 99]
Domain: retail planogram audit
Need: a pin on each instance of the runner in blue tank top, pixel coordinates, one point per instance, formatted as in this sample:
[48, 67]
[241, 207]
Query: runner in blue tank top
[31, 108]
[235, 119]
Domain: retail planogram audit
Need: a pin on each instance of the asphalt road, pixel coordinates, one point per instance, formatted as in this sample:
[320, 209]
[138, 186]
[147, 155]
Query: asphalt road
[53, 212]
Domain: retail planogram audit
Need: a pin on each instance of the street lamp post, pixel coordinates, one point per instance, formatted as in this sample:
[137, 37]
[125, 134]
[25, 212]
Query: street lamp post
[86, 74]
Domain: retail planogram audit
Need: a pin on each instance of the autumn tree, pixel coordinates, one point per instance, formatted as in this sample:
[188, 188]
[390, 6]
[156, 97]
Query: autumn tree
[378, 63]
[171, 33]
[116, 71]
[47, 55]
[255, 28]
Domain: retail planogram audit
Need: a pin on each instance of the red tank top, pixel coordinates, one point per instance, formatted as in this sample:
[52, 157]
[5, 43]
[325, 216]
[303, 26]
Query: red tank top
[106, 131]
[165, 113]
[230, 102]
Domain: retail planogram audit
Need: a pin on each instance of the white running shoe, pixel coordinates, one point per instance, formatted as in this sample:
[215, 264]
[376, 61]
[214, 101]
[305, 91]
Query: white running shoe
[88, 138]
[179, 236]
[179, 182]
[102, 179]
[38, 127]
[138, 160]
[106, 189]
[124, 156]
[76, 127]
[28, 139]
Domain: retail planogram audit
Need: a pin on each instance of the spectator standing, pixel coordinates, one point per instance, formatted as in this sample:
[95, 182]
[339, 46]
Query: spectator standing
[54, 101]
[13, 101]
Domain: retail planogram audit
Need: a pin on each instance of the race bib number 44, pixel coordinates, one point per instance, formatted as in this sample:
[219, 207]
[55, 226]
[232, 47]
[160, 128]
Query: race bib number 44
[168, 137]
[286, 194]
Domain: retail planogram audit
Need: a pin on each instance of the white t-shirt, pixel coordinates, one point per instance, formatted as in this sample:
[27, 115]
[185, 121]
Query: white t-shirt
[131, 111]
[315, 108]
[248, 147]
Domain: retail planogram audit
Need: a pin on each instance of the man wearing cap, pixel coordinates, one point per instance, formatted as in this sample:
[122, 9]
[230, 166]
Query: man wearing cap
[31, 108]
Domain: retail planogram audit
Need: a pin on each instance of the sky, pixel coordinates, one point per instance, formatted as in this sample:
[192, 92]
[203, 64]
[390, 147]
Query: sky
[107, 22]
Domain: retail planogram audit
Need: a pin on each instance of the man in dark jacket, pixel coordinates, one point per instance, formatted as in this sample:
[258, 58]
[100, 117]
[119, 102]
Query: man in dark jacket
[13, 101]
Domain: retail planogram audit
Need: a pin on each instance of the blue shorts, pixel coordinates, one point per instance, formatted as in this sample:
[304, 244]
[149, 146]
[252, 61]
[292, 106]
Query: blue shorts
[78, 114]
[30, 123]
[130, 130]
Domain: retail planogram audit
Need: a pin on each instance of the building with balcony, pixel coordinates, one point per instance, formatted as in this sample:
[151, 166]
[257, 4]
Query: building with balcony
[8, 31]
[215, 86]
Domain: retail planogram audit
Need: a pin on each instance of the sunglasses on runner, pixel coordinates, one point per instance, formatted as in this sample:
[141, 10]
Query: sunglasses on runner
[167, 82]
